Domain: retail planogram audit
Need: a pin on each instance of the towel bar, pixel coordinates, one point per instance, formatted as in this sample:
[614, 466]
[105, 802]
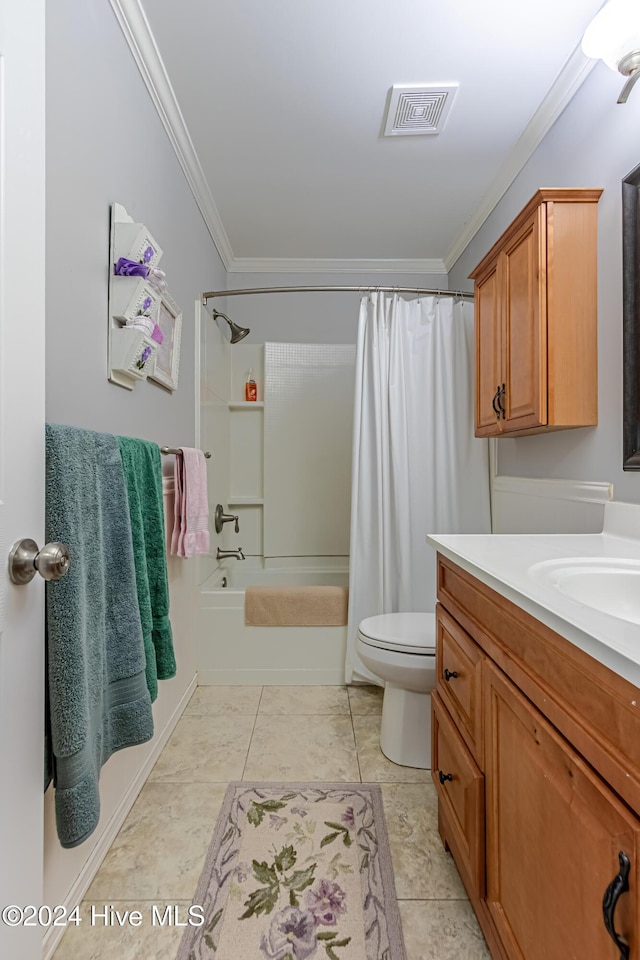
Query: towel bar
[167, 450]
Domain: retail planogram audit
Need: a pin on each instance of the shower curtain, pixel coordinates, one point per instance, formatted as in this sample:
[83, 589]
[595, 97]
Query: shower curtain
[417, 468]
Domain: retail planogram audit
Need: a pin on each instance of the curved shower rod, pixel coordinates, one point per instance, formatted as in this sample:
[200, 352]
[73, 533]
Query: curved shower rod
[458, 294]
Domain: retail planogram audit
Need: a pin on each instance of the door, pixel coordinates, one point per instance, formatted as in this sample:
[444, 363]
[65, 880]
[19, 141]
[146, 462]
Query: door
[488, 352]
[525, 325]
[554, 831]
[21, 463]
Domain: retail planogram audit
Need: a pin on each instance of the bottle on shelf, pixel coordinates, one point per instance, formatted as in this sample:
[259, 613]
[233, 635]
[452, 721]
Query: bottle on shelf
[250, 387]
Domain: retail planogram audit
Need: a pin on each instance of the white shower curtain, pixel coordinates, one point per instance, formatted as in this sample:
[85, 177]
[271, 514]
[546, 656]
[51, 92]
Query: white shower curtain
[417, 467]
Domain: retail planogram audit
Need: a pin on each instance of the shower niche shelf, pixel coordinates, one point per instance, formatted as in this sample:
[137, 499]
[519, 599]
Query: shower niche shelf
[245, 404]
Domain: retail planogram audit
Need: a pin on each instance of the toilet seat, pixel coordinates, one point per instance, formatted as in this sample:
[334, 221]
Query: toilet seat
[401, 632]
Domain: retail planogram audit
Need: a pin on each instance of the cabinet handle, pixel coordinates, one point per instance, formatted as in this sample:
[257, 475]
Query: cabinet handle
[494, 402]
[619, 885]
[501, 397]
[450, 675]
[449, 776]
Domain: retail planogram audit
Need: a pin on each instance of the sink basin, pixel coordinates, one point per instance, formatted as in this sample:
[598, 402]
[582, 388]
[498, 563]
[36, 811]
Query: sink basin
[610, 585]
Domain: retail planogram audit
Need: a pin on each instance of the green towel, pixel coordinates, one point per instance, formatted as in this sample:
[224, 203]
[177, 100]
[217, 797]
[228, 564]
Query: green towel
[98, 696]
[143, 476]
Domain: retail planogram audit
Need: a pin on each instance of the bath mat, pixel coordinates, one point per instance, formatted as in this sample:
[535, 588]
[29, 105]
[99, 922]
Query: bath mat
[296, 606]
[297, 871]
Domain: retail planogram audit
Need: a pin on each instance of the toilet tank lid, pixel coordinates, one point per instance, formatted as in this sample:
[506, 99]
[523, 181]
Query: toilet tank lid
[410, 630]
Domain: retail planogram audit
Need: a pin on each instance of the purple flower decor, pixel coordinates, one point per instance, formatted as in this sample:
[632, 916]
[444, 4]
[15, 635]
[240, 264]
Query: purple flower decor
[144, 356]
[148, 254]
[326, 902]
[292, 933]
[146, 303]
[129, 268]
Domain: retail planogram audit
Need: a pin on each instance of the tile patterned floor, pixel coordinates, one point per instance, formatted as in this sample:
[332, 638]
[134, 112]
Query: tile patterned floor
[233, 733]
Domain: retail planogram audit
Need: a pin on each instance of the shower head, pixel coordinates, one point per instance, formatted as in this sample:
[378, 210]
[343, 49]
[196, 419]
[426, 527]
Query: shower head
[237, 333]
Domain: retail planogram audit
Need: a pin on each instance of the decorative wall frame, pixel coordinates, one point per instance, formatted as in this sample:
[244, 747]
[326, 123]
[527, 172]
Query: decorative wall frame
[631, 319]
[138, 304]
[167, 357]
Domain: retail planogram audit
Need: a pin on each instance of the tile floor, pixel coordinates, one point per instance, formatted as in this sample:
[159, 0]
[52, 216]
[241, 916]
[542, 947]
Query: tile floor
[270, 733]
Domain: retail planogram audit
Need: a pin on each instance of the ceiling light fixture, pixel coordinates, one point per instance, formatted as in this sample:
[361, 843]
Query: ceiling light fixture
[614, 36]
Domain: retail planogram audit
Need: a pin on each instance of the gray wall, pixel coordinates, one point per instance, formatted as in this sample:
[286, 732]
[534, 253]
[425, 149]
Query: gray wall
[594, 143]
[307, 317]
[105, 143]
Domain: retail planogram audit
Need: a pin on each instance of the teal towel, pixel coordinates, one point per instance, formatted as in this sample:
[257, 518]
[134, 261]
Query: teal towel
[98, 696]
[143, 476]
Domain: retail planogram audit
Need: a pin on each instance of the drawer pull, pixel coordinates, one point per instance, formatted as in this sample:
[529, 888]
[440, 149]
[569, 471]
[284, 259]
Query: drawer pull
[618, 886]
[446, 776]
[450, 675]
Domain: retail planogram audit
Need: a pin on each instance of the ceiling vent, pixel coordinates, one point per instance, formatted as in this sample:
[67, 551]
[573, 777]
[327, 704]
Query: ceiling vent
[418, 110]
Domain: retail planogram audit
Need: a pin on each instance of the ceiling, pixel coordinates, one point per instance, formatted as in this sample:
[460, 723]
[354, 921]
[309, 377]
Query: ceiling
[281, 114]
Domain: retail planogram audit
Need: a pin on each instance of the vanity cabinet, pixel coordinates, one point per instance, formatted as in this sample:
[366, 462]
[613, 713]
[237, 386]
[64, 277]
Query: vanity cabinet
[536, 319]
[538, 803]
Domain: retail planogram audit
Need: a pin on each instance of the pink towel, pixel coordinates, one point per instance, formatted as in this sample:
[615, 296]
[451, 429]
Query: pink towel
[191, 511]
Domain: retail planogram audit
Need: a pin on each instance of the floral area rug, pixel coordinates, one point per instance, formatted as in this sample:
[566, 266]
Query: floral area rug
[297, 871]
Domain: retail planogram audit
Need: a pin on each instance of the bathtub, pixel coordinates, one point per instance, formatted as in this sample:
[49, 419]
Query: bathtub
[232, 653]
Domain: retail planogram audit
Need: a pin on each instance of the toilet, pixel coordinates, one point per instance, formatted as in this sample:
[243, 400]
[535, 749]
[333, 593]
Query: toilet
[400, 648]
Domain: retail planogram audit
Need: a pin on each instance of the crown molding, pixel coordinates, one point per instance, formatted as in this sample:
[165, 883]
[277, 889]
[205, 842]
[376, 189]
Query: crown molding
[565, 86]
[314, 265]
[139, 36]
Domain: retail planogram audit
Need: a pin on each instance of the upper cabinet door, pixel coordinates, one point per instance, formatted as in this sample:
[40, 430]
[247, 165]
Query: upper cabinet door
[488, 352]
[525, 315]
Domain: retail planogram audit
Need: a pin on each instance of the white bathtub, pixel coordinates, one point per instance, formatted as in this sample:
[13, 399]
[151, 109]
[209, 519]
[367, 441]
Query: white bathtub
[232, 653]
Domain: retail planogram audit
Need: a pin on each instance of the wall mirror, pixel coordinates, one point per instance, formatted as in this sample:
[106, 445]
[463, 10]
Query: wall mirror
[631, 319]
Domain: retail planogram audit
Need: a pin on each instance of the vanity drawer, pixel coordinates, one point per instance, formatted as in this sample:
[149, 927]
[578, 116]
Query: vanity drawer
[460, 787]
[459, 679]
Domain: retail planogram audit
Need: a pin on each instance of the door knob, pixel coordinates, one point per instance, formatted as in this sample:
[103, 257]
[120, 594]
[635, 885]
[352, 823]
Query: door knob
[25, 560]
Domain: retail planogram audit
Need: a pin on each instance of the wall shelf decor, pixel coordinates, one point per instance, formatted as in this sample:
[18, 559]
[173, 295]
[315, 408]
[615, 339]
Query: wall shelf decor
[167, 356]
[144, 320]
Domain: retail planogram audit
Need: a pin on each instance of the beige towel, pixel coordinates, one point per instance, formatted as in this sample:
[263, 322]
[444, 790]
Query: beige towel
[296, 606]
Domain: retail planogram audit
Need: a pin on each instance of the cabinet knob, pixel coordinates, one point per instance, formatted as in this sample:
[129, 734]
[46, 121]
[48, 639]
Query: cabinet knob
[450, 675]
[444, 776]
[618, 886]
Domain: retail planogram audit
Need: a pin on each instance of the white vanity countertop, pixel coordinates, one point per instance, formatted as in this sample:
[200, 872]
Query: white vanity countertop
[503, 563]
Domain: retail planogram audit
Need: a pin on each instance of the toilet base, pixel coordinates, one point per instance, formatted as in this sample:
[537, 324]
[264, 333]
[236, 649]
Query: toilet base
[405, 734]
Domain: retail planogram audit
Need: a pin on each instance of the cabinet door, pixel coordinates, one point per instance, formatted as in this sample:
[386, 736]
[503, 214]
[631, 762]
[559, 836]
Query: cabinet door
[488, 352]
[523, 268]
[553, 832]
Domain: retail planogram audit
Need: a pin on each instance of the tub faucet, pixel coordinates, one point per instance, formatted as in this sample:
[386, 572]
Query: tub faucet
[223, 554]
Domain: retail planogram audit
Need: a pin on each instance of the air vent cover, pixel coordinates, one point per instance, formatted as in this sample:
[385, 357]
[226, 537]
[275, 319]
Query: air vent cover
[419, 109]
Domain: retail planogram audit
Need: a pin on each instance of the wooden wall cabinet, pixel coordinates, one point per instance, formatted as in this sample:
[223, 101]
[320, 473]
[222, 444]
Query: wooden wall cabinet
[536, 319]
[538, 802]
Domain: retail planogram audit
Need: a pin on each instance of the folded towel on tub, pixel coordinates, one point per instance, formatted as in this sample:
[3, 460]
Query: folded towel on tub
[143, 476]
[98, 696]
[307, 606]
[191, 512]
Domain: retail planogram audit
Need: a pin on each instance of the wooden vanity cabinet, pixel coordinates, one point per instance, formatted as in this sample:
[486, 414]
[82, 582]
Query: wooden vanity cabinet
[536, 319]
[532, 819]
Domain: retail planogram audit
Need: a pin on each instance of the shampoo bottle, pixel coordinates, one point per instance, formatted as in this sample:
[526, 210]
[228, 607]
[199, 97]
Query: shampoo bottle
[250, 388]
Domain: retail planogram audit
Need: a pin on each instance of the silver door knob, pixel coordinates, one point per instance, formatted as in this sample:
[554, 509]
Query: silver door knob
[25, 560]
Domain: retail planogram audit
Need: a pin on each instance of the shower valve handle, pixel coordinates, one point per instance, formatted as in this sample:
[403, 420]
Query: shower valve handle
[221, 518]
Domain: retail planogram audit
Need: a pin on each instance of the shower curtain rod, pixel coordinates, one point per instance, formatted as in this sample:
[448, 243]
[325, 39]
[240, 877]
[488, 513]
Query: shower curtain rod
[459, 294]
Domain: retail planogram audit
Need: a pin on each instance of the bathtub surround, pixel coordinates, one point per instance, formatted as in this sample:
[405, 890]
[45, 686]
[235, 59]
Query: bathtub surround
[143, 477]
[321, 880]
[288, 606]
[98, 694]
[417, 467]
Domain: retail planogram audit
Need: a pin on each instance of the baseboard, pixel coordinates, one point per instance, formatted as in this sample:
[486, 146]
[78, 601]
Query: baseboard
[75, 896]
[271, 678]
